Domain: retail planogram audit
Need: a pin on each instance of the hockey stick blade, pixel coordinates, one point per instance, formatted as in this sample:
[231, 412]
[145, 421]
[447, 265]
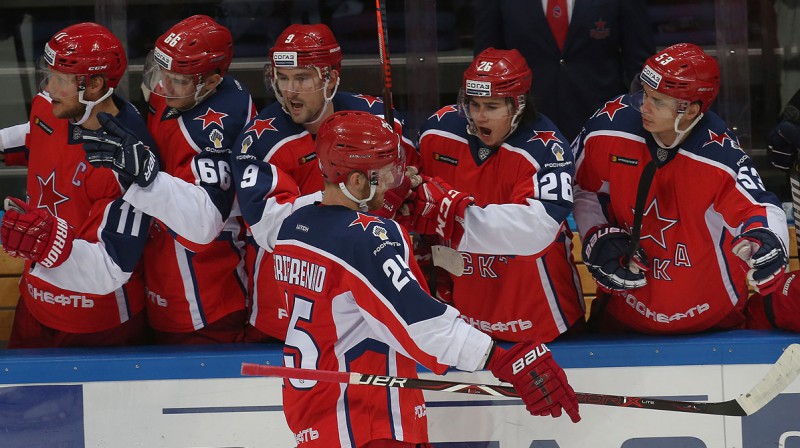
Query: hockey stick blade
[780, 376]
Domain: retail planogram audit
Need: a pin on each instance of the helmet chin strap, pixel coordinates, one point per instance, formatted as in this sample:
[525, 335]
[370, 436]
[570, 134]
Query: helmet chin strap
[679, 137]
[90, 105]
[362, 203]
[327, 101]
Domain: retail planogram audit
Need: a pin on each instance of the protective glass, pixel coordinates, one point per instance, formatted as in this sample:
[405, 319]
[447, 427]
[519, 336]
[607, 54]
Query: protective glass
[663, 106]
[488, 108]
[391, 175]
[166, 83]
[56, 85]
[296, 79]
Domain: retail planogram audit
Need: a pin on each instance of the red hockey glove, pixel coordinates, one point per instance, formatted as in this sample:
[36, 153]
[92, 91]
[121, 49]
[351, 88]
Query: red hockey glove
[35, 234]
[604, 251]
[540, 381]
[439, 209]
[393, 199]
[763, 258]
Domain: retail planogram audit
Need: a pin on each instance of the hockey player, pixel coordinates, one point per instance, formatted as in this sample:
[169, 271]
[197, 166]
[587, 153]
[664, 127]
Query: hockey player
[498, 189]
[351, 282]
[708, 226]
[194, 258]
[81, 241]
[274, 159]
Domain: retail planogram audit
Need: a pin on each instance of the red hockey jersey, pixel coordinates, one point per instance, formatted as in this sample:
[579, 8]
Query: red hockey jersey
[704, 193]
[194, 258]
[356, 305]
[99, 286]
[277, 163]
[520, 281]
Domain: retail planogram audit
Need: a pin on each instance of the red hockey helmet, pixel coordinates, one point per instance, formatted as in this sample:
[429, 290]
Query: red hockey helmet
[194, 46]
[683, 71]
[497, 73]
[494, 72]
[86, 49]
[350, 141]
[307, 45]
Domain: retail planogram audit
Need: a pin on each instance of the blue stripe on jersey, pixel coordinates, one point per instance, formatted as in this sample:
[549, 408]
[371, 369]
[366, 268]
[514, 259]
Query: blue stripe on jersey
[198, 300]
[756, 219]
[554, 289]
[229, 237]
[723, 243]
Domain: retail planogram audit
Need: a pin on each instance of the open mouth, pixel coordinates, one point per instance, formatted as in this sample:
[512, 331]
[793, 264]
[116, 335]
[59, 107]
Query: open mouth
[296, 106]
[484, 132]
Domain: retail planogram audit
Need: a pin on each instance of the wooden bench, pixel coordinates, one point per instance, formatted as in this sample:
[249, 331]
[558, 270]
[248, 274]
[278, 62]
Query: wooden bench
[588, 284]
[10, 270]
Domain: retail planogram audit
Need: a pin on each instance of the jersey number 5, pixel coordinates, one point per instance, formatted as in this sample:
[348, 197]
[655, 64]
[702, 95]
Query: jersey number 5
[300, 340]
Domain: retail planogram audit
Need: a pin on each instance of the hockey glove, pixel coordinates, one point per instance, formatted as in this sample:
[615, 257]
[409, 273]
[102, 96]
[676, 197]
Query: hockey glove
[35, 234]
[604, 253]
[763, 258]
[540, 381]
[393, 199]
[783, 142]
[439, 209]
[119, 149]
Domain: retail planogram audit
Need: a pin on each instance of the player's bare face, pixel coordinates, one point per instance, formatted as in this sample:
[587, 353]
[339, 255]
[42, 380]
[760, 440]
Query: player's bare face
[303, 92]
[659, 112]
[492, 118]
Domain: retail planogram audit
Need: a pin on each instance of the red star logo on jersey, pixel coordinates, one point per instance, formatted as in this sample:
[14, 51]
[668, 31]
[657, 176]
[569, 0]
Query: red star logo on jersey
[611, 108]
[718, 139]
[369, 99]
[656, 225]
[444, 111]
[49, 197]
[544, 136]
[212, 117]
[262, 125]
[364, 220]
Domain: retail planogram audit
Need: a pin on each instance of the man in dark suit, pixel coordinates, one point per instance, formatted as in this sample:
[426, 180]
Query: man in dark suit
[601, 49]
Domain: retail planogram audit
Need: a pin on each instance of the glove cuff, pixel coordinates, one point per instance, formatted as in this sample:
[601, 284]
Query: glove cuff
[60, 244]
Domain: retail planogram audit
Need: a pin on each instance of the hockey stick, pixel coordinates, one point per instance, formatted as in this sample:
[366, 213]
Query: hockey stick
[638, 212]
[383, 49]
[780, 376]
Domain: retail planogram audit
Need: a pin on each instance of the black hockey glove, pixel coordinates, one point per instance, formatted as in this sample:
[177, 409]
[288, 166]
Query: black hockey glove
[763, 256]
[119, 149]
[783, 143]
[604, 253]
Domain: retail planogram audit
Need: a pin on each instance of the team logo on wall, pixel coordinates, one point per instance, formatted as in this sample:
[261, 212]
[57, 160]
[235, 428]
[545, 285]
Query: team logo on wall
[599, 31]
